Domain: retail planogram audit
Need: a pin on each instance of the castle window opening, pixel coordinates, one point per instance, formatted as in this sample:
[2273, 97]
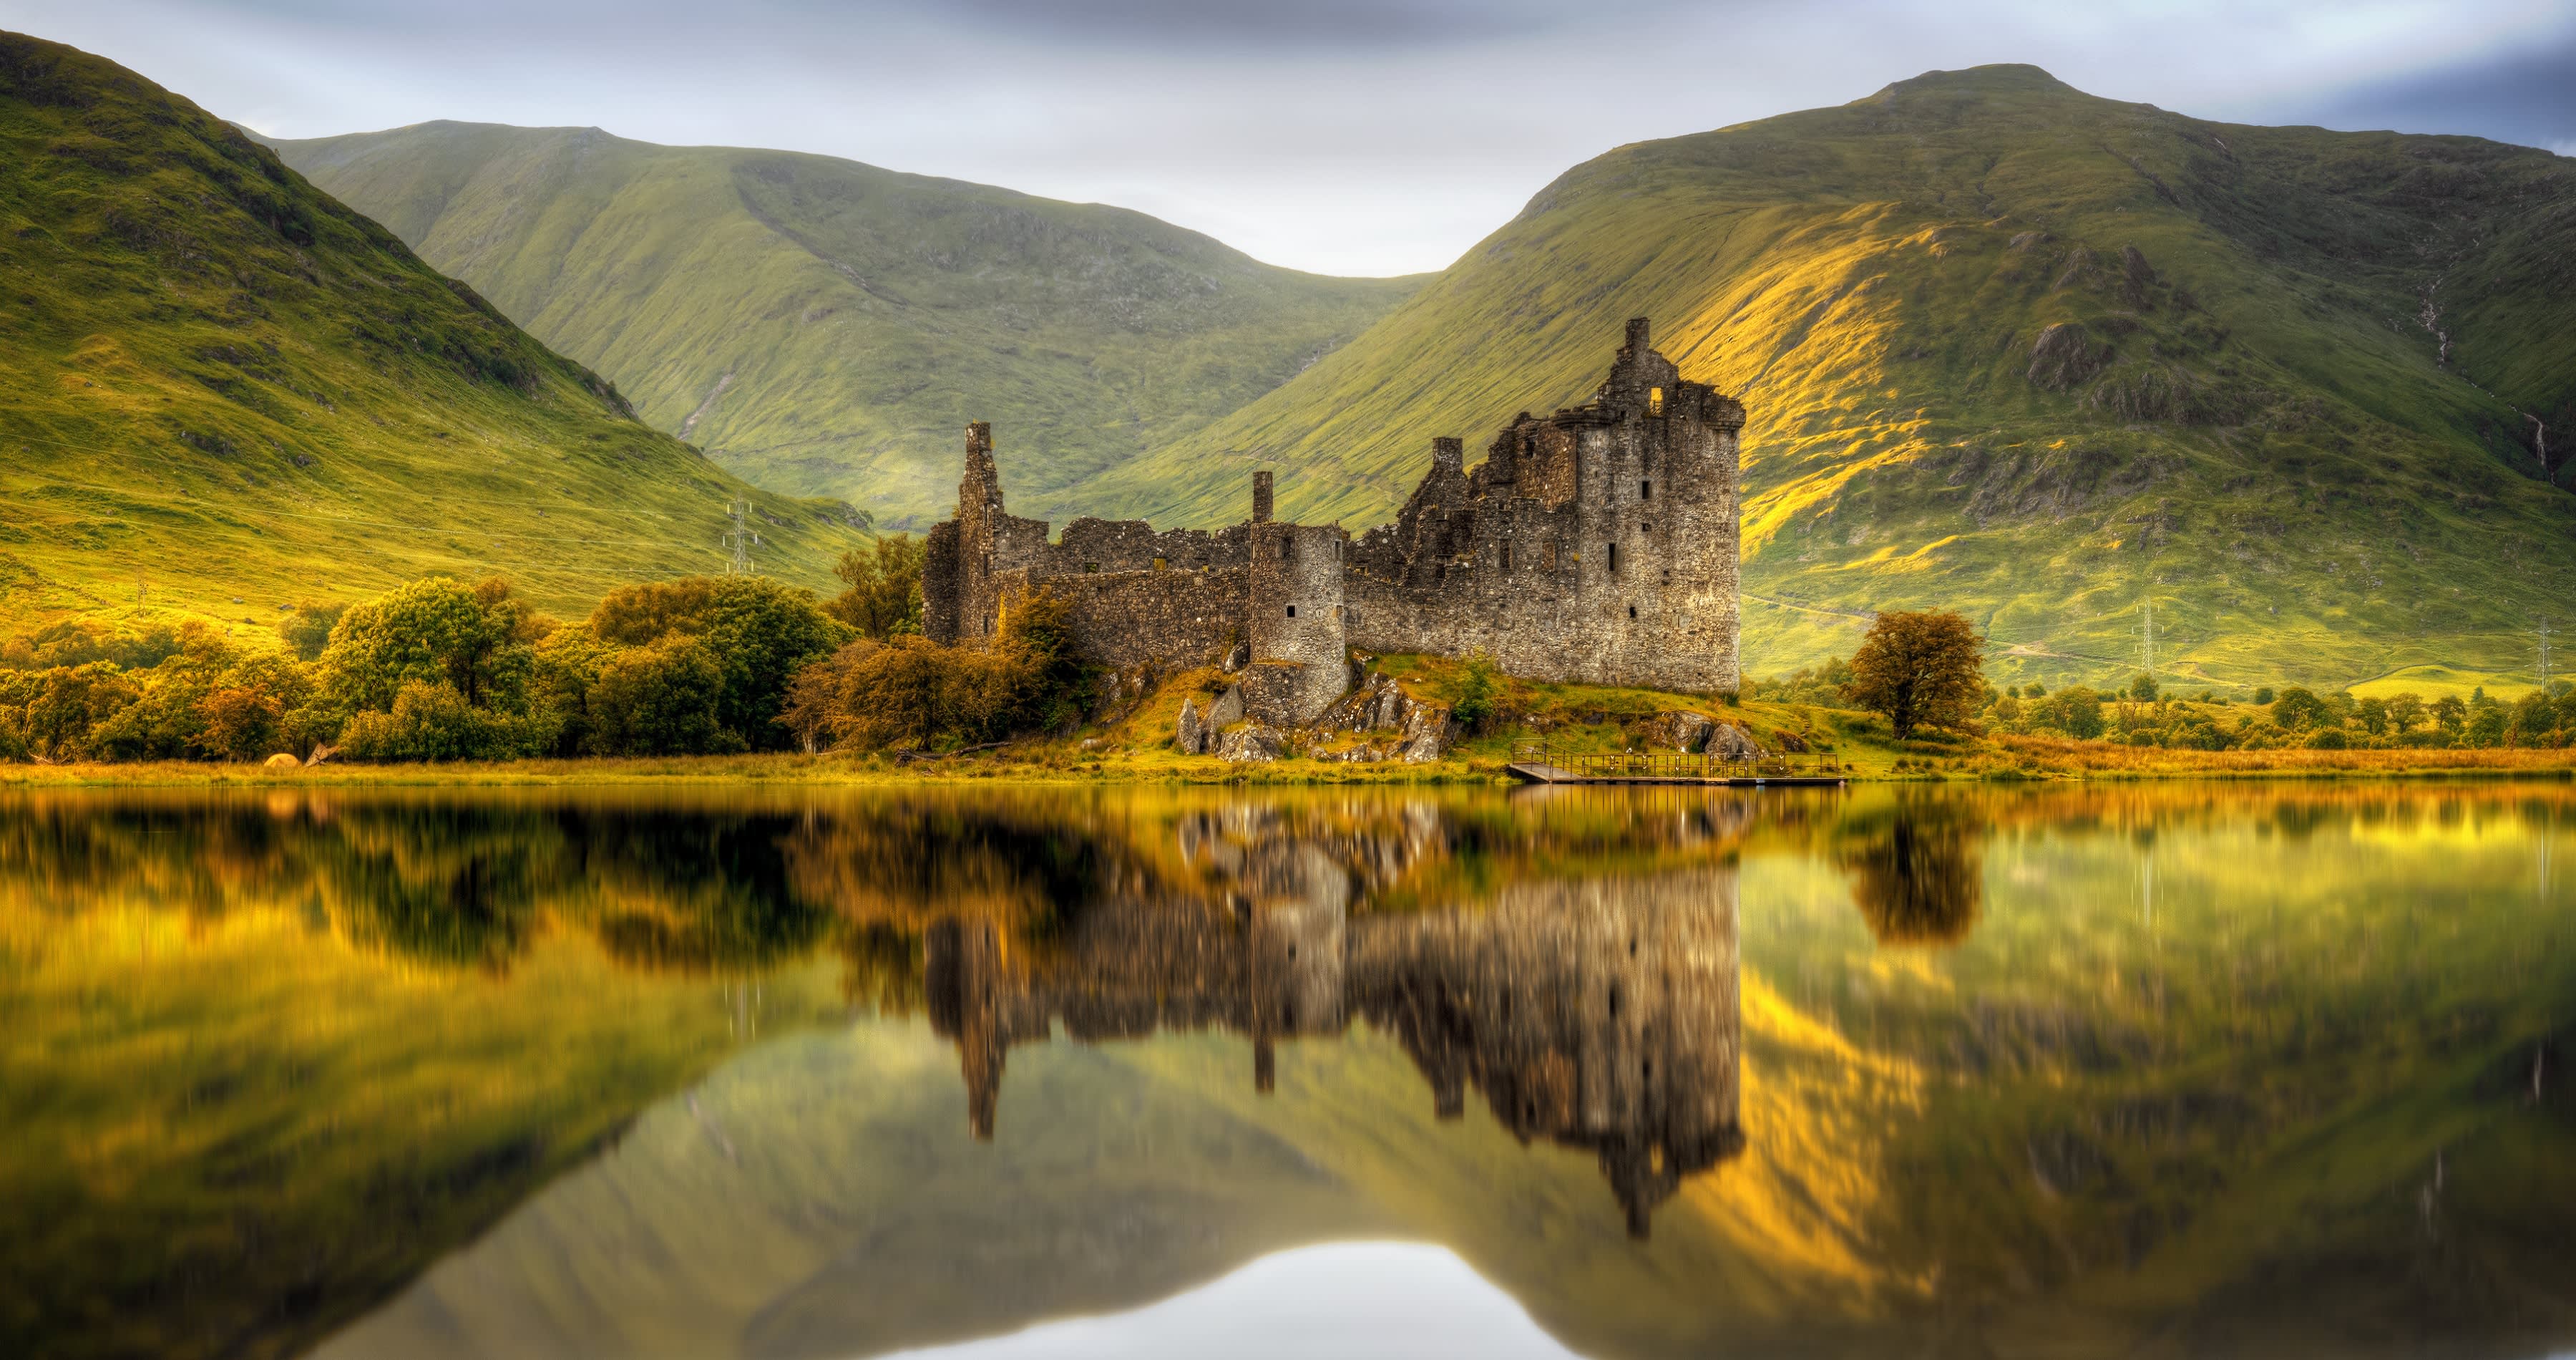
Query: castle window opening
[1292, 611]
[1646, 490]
[1614, 559]
[1507, 557]
[1654, 401]
[1632, 611]
[1091, 566]
[1162, 564]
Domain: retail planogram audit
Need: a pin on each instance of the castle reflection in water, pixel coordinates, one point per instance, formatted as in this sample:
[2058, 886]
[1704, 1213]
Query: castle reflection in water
[1599, 1012]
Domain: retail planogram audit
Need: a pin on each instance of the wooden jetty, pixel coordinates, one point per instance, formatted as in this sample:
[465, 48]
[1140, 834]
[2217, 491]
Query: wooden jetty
[1538, 763]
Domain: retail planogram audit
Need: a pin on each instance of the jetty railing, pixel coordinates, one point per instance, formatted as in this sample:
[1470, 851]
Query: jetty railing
[1666, 764]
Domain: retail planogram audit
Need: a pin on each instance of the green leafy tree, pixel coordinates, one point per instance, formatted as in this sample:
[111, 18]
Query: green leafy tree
[2535, 720]
[1919, 669]
[307, 629]
[479, 641]
[2075, 711]
[759, 632]
[567, 667]
[2300, 710]
[2143, 688]
[2486, 724]
[882, 587]
[661, 700]
[2405, 710]
[2263, 694]
[429, 720]
[68, 704]
[2449, 714]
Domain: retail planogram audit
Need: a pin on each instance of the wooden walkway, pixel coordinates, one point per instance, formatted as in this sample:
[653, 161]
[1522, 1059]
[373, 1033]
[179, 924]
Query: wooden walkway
[1534, 763]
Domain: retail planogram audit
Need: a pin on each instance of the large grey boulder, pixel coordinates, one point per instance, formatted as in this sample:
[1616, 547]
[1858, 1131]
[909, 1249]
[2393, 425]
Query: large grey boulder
[1190, 733]
[1253, 742]
[1679, 730]
[1726, 741]
[1227, 710]
[1425, 733]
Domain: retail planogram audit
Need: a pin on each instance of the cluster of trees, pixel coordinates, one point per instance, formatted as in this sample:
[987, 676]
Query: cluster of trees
[440, 669]
[1924, 669]
[902, 690]
[2292, 718]
[433, 670]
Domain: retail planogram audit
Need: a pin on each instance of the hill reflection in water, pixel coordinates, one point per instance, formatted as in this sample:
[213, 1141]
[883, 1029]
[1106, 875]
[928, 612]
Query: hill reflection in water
[2076, 1070]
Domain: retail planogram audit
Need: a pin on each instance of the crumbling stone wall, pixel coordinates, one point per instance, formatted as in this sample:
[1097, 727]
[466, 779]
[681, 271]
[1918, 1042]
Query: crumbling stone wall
[1599, 543]
[1129, 618]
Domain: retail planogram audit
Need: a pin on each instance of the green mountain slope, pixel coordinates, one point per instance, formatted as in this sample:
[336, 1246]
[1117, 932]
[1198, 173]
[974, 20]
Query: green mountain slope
[222, 382]
[822, 326]
[2296, 400]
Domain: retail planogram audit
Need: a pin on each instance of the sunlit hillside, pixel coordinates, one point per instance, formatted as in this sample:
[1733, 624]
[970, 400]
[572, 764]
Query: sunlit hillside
[2037, 355]
[828, 328]
[224, 392]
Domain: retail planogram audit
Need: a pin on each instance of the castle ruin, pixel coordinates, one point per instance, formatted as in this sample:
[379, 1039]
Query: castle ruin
[1597, 544]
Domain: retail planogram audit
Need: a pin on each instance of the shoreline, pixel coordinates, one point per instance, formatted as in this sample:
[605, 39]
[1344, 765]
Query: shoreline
[829, 771]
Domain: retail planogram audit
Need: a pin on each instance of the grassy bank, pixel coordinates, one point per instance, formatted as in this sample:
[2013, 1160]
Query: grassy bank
[1137, 747]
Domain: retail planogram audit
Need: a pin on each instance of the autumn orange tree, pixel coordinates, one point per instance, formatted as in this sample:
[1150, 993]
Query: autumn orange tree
[1919, 669]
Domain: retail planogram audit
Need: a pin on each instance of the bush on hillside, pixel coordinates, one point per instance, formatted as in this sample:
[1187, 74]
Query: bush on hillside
[909, 692]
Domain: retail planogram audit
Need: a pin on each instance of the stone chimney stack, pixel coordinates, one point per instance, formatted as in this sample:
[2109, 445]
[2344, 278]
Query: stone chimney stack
[1261, 497]
[1447, 455]
[1637, 335]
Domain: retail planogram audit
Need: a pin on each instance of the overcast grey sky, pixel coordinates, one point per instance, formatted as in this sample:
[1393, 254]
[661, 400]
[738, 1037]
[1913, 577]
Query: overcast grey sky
[1336, 135]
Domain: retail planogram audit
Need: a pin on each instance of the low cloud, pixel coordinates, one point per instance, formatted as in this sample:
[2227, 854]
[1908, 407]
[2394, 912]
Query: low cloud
[1343, 136]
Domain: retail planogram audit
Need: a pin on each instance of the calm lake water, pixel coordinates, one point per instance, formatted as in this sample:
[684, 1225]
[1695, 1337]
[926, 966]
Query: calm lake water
[2171, 1070]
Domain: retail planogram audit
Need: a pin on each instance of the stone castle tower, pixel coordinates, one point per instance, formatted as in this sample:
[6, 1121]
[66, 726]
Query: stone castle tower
[1599, 543]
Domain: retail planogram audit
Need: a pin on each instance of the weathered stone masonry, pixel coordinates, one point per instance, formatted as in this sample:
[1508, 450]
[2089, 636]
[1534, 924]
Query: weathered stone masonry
[1599, 543]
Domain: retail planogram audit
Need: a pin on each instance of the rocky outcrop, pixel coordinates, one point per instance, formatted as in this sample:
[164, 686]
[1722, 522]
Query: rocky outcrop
[1678, 729]
[1190, 732]
[1726, 741]
[1427, 732]
[2065, 355]
[1251, 742]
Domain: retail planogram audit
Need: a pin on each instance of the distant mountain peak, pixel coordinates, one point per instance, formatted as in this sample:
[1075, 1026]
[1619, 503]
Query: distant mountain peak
[1999, 78]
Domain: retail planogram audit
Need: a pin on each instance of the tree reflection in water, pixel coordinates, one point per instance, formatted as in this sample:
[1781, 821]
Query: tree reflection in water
[1918, 872]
